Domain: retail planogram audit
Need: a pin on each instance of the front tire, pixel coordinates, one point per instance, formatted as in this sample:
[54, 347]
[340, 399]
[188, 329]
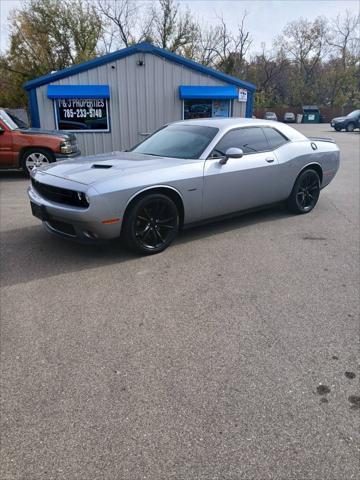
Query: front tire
[350, 127]
[35, 157]
[338, 129]
[151, 224]
[305, 193]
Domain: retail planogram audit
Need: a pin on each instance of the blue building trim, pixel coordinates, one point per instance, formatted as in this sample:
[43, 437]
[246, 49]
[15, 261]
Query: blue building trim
[139, 48]
[205, 92]
[249, 104]
[78, 91]
[34, 108]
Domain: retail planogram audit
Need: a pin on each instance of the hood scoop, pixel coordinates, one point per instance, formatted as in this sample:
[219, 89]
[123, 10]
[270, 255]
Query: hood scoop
[100, 166]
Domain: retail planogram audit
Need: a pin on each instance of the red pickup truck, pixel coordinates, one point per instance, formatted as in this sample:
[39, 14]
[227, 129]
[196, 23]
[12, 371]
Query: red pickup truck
[26, 148]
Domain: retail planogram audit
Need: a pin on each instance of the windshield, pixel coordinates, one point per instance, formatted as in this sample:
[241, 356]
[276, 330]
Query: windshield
[19, 123]
[7, 120]
[178, 141]
[355, 113]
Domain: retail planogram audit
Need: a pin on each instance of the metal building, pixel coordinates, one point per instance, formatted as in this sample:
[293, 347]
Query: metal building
[113, 101]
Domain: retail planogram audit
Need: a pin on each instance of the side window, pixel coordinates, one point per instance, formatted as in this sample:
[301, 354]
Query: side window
[249, 139]
[275, 138]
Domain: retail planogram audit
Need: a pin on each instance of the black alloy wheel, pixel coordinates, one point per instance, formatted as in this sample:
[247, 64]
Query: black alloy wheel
[152, 224]
[305, 193]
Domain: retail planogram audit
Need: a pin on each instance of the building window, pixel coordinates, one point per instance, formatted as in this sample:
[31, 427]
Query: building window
[205, 108]
[82, 114]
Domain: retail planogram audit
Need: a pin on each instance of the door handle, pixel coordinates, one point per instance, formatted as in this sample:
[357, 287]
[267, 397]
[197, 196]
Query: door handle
[269, 159]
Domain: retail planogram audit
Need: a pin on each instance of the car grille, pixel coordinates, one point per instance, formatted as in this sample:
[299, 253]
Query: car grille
[60, 195]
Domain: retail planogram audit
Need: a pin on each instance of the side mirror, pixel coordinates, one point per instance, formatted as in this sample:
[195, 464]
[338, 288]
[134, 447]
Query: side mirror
[232, 152]
[2, 130]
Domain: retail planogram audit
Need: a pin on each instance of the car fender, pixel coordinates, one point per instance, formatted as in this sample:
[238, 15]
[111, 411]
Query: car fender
[295, 157]
[153, 187]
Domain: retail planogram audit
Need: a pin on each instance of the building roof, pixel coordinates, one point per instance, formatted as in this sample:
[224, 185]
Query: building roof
[125, 52]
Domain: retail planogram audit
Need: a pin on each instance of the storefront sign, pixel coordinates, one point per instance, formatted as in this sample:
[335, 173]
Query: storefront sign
[242, 95]
[82, 114]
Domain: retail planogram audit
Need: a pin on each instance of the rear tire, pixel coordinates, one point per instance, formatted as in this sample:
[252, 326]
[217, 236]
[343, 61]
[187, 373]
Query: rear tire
[305, 193]
[350, 127]
[35, 157]
[151, 224]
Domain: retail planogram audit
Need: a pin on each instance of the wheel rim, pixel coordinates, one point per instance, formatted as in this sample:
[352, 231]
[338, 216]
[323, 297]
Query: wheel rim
[155, 224]
[308, 191]
[36, 159]
[350, 127]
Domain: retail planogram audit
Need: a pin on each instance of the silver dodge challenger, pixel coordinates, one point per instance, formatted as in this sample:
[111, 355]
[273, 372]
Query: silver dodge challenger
[185, 173]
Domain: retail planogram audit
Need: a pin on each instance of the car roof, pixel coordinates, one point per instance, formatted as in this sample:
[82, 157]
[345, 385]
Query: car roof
[236, 122]
[222, 122]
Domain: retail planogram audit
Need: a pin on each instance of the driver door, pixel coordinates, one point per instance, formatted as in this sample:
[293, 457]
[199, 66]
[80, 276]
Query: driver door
[240, 183]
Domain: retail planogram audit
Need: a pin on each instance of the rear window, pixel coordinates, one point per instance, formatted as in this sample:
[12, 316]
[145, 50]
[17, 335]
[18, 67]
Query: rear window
[275, 138]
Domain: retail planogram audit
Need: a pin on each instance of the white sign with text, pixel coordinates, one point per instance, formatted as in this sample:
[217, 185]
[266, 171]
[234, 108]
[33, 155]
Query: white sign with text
[242, 95]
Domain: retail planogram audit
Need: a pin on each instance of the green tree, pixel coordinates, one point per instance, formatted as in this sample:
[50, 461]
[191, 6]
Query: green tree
[48, 35]
[305, 44]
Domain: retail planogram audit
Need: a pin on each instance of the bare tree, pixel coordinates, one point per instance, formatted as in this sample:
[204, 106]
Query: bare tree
[124, 24]
[205, 51]
[344, 37]
[271, 66]
[227, 51]
[306, 43]
[243, 40]
[172, 28]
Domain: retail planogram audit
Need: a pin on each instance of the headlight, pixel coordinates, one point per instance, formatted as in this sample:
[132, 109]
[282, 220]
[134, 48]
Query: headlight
[82, 199]
[67, 147]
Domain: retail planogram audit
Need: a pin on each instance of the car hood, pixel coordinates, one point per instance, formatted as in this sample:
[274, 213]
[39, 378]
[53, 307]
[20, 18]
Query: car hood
[338, 119]
[93, 169]
[53, 133]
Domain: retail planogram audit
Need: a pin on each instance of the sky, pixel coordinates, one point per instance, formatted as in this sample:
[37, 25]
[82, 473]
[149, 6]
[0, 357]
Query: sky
[266, 18]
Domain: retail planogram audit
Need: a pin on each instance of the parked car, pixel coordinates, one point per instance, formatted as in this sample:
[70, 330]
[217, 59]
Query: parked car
[348, 123]
[22, 147]
[200, 111]
[289, 117]
[270, 116]
[184, 173]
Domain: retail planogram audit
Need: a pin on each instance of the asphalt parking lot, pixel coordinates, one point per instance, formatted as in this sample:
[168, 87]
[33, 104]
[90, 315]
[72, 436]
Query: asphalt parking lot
[231, 355]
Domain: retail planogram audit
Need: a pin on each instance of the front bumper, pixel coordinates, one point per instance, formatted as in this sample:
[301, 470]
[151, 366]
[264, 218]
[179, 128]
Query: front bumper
[64, 156]
[337, 125]
[83, 224]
